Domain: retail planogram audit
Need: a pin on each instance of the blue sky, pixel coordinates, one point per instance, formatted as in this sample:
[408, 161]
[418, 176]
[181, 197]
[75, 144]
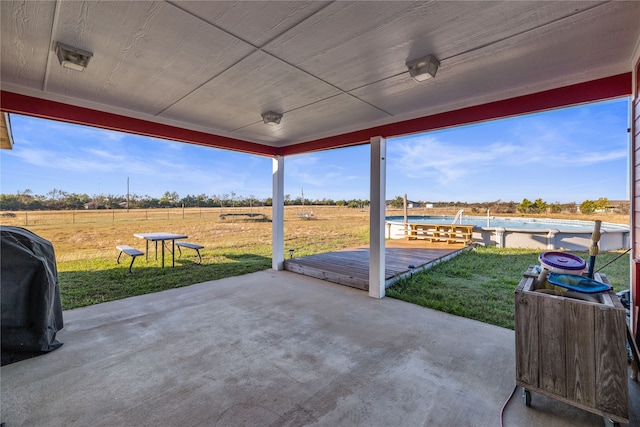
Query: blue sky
[567, 155]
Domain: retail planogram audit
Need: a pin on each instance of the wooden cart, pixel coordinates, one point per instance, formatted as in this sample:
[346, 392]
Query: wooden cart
[572, 350]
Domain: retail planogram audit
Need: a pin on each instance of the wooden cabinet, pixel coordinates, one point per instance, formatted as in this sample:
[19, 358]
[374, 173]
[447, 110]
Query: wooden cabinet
[572, 350]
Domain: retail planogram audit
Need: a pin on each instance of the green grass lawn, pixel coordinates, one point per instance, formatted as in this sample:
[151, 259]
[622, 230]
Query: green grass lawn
[479, 284]
[88, 282]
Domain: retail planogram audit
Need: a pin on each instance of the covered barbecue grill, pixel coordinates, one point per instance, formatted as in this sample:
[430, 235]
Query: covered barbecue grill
[31, 308]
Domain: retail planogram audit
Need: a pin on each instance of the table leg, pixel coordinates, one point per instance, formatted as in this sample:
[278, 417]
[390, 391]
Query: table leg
[146, 253]
[163, 254]
[173, 253]
[156, 250]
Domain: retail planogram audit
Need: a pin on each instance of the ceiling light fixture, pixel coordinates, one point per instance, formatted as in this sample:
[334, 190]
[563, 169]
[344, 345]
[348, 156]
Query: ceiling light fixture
[72, 58]
[423, 68]
[271, 118]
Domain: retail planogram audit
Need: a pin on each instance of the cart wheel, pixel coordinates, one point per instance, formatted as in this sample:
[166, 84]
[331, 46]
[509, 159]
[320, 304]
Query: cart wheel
[526, 395]
[610, 423]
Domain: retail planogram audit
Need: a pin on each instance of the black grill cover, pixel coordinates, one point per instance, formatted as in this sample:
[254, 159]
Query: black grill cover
[30, 300]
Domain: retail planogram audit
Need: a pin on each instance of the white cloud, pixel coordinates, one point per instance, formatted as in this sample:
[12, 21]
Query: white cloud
[428, 157]
[316, 171]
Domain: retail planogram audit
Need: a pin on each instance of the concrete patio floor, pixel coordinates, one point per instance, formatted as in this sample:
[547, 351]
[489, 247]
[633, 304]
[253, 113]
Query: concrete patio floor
[274, 349]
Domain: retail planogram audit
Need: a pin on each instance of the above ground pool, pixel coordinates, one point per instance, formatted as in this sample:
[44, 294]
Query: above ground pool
[514, 232]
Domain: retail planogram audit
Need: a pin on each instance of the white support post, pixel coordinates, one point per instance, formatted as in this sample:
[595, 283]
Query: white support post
[277, 212]
[378, 178]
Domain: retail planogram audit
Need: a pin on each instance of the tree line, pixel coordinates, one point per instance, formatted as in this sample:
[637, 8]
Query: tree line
[61, 200]
[586, 207]
[538, 206]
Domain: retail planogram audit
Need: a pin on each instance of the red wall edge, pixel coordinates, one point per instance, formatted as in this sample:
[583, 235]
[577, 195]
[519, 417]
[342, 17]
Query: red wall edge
[596, 90]
[591, 91]
[29, 106]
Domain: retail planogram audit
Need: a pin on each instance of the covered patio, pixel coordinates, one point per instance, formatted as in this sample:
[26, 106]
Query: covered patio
[279, 79]
[275, 349]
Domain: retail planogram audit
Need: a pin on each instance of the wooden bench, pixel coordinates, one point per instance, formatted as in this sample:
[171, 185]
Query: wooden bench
[193, 246]
[133, 252]
[450, 233]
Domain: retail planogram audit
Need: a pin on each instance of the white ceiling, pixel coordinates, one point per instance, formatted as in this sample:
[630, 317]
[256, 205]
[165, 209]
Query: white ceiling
[330, 67]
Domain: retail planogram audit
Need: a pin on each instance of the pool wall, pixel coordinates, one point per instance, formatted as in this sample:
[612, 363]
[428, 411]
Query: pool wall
[545, 239]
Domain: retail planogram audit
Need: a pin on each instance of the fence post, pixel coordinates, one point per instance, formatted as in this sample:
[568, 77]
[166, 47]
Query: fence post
[26, 218]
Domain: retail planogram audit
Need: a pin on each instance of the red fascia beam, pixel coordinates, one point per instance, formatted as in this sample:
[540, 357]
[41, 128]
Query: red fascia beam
[581, 93]
[36, 107]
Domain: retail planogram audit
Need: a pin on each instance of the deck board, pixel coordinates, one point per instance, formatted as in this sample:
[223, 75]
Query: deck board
[350, 267]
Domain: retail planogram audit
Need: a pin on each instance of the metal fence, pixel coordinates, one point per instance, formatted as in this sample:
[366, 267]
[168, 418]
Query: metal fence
[30, 218]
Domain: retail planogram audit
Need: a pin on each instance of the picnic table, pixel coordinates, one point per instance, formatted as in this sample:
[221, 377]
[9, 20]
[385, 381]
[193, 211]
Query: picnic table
[161, 237]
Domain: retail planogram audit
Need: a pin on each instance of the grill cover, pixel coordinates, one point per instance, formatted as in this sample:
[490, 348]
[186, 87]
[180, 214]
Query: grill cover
[30, 304]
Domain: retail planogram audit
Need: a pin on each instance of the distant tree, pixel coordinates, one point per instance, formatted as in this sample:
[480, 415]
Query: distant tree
[510, 207]
[76, 201]
[555, 207]
[539, 206]
[97, 202]
[26, 198]
[588, 207]
[133, 200]
[571, 207]
[602, 203]
[112, 201]
[189, 201]
[397, 203]
[56, 199]
[10, 202]
[525, 206]
[202, 200]
[147, 202]
[169, 199]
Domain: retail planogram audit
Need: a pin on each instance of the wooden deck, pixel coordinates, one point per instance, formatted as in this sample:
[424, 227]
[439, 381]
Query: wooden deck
[350, 267]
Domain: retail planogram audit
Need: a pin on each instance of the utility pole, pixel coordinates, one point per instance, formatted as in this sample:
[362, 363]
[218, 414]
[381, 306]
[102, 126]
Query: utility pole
[127, 194]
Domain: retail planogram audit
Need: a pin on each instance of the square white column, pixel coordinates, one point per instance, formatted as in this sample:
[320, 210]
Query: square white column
[378, 178]
[277, 213]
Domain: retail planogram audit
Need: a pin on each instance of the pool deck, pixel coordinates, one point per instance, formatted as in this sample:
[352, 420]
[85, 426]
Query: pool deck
[350, 267]
[550, 236]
